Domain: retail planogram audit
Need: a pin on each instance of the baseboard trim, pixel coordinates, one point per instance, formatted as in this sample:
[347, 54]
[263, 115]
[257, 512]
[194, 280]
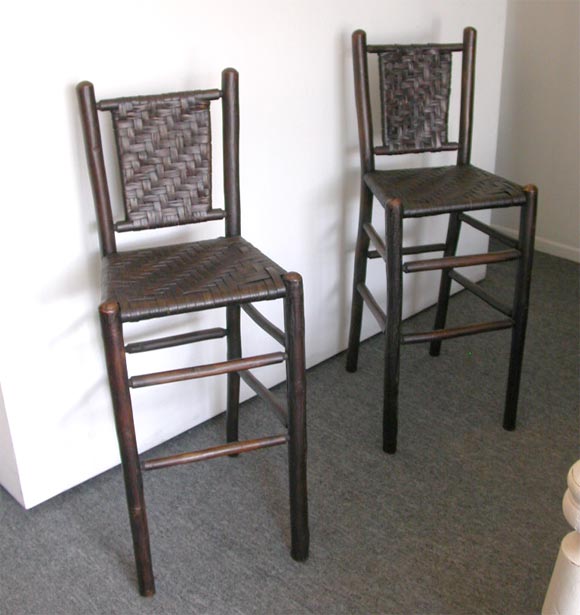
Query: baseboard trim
[546, 245]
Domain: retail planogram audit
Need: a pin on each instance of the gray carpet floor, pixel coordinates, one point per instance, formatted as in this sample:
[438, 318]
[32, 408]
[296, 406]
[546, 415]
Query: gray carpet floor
[465, 518]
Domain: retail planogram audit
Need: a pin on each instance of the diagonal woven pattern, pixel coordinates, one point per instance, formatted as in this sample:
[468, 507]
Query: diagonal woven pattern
[164, 147]
[440, 190]
[174, 279]
[415, 86]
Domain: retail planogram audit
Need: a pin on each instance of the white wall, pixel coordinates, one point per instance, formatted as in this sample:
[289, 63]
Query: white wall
[539, 138]
[299, 185]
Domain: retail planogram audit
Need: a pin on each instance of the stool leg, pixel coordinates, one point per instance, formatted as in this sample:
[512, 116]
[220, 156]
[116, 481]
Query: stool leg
[360, 273]
[520, 305]
[234, 352]
[394, 233]
[118, 380]
[296, 384]
[445, 284]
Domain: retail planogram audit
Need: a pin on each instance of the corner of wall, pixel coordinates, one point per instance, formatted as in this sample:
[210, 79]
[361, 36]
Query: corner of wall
[9, 475]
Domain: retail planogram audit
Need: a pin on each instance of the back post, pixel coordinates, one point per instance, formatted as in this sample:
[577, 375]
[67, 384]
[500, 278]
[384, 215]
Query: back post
[97, 172]
[467, 90]
[231, 137]
[363, 103]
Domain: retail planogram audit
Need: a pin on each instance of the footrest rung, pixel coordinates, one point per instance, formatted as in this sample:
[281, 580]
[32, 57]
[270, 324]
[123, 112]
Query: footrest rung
[176, 340]
[375, 239]
[267, 396]
[488, 230]
[234, 448]
[373, 305]
[267, 325]
[443, 334]
[202, 371]
[482, 294]
[450, 262]
[427, 247]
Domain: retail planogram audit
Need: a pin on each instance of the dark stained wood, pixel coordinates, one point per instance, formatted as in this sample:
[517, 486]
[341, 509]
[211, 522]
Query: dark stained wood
[430, 191]
[175, 340]
[359, 277]
[234, 354]
[265, 324]
[411, 78]
[108, 104]
[375, 239]
[488, 230]
[394, 231]
[381, 150]
[482, 294]
[122, 226]
[428, 247]
[373, 305]
[123, 412]
[444, 334]
[267, 396]
[231, 138]
[96, 163]
[296, 385]
[527, 234]
[467, 90]
[449, 262]
[363, 101]
[231, 449]
[203, 371]
[453, 228]
[439, 47]
[165, 280]
[173, 279]
[367, 161]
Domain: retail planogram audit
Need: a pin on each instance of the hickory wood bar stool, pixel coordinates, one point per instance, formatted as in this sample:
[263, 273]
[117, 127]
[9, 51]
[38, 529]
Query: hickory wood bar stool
[164, 154]
[414, 90]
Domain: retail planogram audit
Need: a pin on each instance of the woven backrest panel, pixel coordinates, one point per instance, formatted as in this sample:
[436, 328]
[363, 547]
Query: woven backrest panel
[164, 148]
[415, 87]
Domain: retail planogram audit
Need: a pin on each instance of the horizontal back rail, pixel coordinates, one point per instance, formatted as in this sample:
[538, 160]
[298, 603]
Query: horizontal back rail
[381, 150]
[109, 104]
[449, 47]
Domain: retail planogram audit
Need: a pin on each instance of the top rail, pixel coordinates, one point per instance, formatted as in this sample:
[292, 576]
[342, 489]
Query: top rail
[438, 46]
[109, 104]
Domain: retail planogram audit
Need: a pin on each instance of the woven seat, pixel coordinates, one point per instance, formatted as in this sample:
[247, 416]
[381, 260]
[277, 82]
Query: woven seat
[442, 190]
[415, 85]
[156, 282]
[164, 153]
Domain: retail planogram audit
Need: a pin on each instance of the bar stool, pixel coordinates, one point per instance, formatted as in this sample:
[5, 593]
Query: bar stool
[164, 154]
[414, 91]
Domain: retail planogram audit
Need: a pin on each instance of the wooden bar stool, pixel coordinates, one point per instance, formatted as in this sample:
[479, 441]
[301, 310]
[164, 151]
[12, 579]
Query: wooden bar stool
[414, 90]
[164, 154]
